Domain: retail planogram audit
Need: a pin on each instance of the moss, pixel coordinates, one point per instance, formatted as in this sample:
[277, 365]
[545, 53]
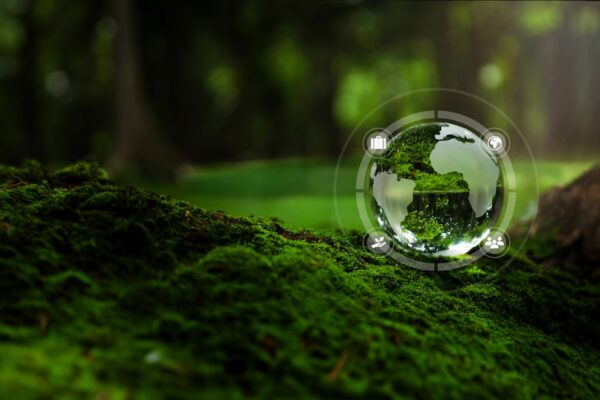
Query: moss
[409, 158]
[427, 229]
[111, 291]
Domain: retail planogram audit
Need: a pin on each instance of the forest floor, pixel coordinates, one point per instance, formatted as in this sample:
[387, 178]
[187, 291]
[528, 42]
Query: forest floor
[110, 291]
[288, 188]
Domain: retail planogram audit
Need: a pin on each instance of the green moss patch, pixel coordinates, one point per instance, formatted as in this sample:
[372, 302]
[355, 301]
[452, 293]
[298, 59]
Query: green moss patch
[409, 158]
[109, 291]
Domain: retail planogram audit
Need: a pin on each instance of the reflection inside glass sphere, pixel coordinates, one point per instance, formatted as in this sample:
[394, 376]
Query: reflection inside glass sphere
[436, 189]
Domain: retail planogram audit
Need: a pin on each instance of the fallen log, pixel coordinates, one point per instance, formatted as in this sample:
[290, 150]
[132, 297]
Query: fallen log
[568, 225]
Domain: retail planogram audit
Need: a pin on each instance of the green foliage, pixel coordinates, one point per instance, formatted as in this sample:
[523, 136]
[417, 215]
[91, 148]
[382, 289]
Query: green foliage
[450, 182]
[111, 291]
[409, 158]
[428, 229]
[410, 155]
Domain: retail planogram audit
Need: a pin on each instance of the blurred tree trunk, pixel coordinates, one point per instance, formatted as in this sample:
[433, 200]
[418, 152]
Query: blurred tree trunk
[137, 144]
[28, 98]
[331, 124]
[569, 223]
[569, 60]
[261, 102]
[244, 59]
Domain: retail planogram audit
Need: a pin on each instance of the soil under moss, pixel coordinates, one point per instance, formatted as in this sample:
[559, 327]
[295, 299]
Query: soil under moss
[111, 291]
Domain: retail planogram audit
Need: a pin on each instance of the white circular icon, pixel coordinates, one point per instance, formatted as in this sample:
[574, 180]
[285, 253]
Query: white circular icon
[496, 243]
[377, 242]
[495, 143]
[376, 142]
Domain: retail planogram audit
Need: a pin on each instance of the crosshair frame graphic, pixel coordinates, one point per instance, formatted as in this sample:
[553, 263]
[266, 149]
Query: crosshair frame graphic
[509, 185]
[509, 181]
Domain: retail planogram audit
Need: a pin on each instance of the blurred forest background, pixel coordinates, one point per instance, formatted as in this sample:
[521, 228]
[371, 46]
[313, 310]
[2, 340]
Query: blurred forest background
[148, 87]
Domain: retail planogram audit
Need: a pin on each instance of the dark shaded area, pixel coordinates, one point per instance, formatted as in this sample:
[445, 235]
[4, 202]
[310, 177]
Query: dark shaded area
[152, 85]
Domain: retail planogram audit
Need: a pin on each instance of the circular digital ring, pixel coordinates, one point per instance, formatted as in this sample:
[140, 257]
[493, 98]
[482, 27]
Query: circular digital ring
[494, 242]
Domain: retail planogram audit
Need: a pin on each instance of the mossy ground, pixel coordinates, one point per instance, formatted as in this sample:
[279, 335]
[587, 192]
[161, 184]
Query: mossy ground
[109, 291]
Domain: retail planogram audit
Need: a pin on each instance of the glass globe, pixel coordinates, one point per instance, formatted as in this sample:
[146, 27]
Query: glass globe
[437, 190]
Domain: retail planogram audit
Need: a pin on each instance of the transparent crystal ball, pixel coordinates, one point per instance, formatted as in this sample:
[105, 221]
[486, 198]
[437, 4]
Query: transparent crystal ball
[437, 190]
